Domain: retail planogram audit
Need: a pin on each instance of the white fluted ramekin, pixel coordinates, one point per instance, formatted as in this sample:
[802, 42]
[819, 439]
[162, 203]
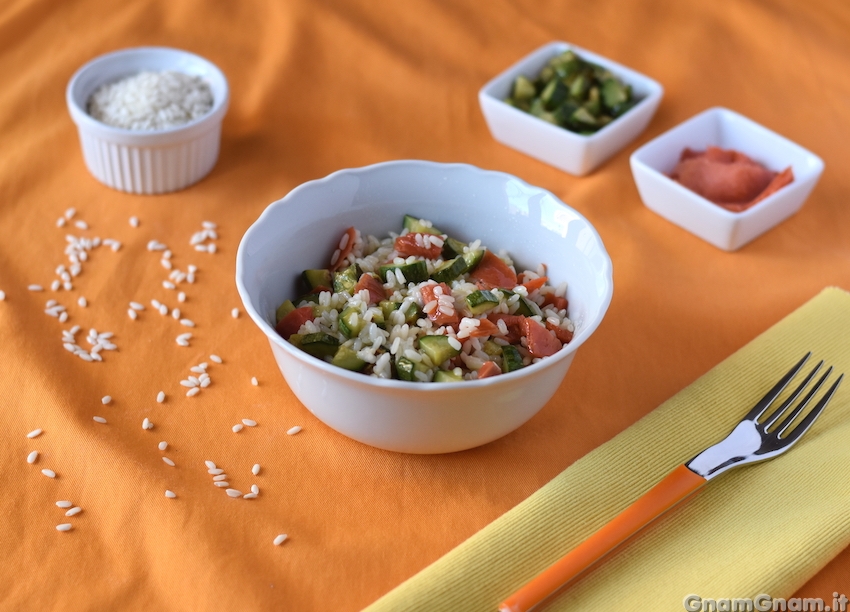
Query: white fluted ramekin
[154, 161]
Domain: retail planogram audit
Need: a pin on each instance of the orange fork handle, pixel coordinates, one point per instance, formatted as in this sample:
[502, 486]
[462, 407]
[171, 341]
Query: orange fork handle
[676, 486]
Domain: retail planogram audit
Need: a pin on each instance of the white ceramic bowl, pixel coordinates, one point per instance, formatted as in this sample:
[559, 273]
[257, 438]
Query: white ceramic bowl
[147, 162]
[653, 162]
[559, 147]
[299, 231]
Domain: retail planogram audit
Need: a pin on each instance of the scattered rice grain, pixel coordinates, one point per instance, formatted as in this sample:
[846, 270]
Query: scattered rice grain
[82, 302]
[193, 391]
[35, 288]
[181, 297]
[234, 313]
[249, 422]
[106, 399]
[64, 504]
[256, 469]
[162, 445]
[280, 539]
[64, 527]
[187, 322]
[99, 419]
[254, 381]
[32, 457]
[134, 222]
[168, 461]
[160, 397]
[293, 430]
[233, 492]
[132, 314]
[73, 511]
[34, 433]
[49, 473]
[170, 494]
[237, 428]
[215, 358]
[255, 489]
[210, 464]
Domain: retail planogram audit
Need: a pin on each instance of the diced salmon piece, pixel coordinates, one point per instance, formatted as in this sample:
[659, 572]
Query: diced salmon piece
[540, 342]
[488, 369]
[409, 245]
[534, 283]
[373, 286]
[343, 250]
[437, 316]
[558, 302]
[484, 329]
[291, 323]
[513, 323]
[491, 272]
[564, 335]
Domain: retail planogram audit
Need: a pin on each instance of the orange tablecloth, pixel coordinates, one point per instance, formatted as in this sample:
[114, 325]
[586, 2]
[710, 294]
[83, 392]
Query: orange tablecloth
[319, 86]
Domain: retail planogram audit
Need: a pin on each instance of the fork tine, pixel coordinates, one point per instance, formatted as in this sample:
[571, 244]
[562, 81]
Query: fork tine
[767, 400]
[786, 422]
[814, 414]
[793, 398]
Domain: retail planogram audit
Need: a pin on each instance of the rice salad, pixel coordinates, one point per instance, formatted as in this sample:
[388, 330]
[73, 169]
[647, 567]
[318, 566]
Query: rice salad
[422, 306]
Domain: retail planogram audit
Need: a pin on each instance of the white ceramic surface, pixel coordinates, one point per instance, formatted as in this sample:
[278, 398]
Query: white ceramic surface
[653, 162]
[300, 232]
[147, 162]
[566, 150]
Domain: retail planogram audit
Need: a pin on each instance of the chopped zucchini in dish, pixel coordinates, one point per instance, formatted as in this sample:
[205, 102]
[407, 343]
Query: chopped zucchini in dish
[573, 93]
[424, 306]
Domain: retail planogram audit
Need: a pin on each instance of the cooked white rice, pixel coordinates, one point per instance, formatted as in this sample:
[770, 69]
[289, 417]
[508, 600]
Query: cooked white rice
[381, 348]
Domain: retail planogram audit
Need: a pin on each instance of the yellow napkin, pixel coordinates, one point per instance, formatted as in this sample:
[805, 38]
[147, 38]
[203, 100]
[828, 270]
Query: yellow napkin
[765, 528]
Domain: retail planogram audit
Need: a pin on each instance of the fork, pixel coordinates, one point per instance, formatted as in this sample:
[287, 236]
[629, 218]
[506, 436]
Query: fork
[750, 441]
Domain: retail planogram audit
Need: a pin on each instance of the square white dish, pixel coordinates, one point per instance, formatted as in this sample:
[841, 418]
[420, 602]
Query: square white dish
[653, 162]
[571, 152]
